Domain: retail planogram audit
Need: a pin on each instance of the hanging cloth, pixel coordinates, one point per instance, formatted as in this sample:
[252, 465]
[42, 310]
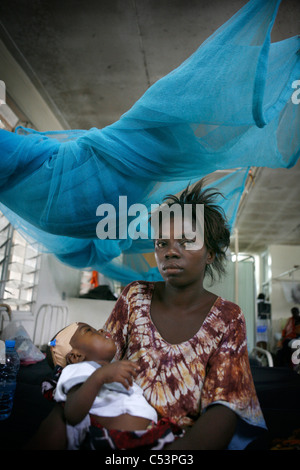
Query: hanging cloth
[227, 106]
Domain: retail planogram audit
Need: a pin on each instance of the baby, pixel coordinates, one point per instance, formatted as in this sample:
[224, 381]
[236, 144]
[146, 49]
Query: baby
[101, 397]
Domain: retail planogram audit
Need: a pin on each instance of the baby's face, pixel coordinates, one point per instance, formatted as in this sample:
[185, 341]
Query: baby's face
[95, 345]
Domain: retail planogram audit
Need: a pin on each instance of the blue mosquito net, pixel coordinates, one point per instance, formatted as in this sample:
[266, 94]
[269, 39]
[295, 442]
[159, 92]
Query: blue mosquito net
[228, 106]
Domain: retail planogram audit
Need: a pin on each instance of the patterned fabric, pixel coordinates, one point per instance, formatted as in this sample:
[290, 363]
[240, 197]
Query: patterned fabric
[182, 380]
[155, 437]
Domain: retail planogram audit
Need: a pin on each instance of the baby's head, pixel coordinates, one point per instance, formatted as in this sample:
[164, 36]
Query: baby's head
[80, 342]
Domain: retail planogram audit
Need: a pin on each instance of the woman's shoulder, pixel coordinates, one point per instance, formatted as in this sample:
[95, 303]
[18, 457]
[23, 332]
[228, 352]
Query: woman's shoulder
[137, 287]
[228, 309]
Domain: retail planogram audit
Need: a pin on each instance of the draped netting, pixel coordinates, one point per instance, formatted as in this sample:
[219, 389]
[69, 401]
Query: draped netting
[228, 106]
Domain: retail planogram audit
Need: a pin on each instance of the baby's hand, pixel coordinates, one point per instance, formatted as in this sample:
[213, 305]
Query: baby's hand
[119, 371]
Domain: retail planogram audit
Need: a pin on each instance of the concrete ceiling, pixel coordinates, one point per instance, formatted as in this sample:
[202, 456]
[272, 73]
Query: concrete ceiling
[91, 60]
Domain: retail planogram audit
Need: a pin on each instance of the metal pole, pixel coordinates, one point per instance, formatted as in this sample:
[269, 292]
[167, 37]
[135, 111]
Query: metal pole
[236, 244]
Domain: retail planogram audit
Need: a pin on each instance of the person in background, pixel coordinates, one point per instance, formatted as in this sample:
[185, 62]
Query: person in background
[290, 331]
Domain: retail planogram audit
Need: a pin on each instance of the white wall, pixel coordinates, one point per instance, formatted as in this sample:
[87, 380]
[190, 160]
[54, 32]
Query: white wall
[91, 311]
[57, 281]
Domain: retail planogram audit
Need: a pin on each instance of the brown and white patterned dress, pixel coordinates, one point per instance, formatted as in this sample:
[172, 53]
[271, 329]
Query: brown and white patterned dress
[181, 380]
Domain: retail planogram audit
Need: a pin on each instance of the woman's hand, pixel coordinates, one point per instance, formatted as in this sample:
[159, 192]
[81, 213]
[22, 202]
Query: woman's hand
[212, 431]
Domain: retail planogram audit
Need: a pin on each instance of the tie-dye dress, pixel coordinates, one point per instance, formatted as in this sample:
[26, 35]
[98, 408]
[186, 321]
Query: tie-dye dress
[182, 380]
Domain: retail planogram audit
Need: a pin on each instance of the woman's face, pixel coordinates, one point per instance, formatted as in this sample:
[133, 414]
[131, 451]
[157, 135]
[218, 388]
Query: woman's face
[178, 264]
[94, 345]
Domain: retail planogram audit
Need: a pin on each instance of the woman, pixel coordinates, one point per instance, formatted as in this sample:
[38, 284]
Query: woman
[189, 343]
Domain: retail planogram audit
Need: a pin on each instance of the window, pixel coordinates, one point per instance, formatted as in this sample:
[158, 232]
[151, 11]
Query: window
[19, 267]
[6, 232]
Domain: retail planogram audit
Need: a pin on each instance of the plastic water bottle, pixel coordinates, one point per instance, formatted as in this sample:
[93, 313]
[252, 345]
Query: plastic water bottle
[9, 367]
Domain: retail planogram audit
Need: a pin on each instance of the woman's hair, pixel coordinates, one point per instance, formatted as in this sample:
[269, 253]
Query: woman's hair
[216, 229]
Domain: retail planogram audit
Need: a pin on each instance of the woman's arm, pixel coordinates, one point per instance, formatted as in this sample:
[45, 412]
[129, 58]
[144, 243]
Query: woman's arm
[81, 397]
[212, 431]
[228, 380]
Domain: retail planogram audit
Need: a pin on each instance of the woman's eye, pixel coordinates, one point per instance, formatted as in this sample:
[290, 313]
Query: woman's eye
[160, 244]
[186, 242]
